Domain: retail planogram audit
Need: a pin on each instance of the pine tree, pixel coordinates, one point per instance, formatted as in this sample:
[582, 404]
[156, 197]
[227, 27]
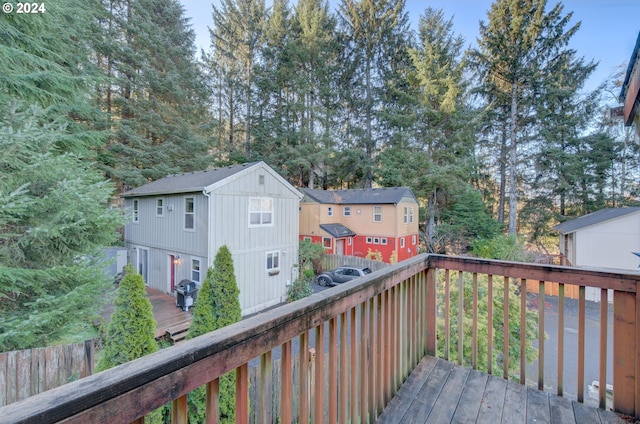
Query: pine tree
[155, 93]
[131, 331]
[520, 48]
[217, 306]
[55, 216]
[374, 31]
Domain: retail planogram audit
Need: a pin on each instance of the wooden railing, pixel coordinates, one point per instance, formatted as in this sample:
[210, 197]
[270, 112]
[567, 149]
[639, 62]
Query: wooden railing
[366, 335]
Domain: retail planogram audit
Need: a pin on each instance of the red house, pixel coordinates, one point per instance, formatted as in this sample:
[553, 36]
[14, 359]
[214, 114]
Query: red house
[379, 223]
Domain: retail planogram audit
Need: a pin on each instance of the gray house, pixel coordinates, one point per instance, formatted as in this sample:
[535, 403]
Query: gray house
[178, 223]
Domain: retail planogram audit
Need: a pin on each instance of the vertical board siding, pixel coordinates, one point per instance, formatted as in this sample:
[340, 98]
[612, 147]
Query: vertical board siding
[24, 373]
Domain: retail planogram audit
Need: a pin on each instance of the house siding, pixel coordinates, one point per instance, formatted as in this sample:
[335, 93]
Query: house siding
[361, 222]
[222, 218]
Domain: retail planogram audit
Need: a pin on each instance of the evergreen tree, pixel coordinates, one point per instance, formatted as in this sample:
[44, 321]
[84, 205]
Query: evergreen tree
[375, 31]
[435, 155]
[237, 36]
[520, 48]
[217, 306]
[131, 331]
[46, 61]
[55, 216]
[155, 93]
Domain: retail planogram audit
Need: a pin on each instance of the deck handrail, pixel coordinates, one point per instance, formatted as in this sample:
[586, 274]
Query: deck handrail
[378, 328]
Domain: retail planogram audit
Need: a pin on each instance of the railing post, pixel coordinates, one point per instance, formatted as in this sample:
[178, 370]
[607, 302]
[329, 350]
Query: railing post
[625, 356]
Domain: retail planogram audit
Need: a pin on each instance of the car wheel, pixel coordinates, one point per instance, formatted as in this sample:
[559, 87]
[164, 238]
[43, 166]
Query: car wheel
[324, 281]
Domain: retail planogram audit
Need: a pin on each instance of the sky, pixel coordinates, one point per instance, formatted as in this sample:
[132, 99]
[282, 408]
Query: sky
[608, 32]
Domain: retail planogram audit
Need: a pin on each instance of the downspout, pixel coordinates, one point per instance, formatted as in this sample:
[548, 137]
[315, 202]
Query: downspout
[209, 235]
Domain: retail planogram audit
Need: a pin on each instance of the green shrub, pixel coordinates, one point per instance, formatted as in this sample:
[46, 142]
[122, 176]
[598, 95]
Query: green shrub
[217, 306]
[300, 288]
[131, 331]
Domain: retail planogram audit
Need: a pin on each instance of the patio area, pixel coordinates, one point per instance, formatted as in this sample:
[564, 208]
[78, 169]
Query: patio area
[171, 322]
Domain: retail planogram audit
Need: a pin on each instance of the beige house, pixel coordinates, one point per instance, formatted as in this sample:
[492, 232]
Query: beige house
[609, 238]
[379, 223]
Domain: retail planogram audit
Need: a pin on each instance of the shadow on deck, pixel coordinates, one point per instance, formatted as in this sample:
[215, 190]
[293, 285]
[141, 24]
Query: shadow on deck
[438, 391]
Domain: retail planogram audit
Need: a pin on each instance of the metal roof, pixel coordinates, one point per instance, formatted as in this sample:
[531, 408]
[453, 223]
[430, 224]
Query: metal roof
[337, 230]
[188, 182]
[389, 195]
[573, 225]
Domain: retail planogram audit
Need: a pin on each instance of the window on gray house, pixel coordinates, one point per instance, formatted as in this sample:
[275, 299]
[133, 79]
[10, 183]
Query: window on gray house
[189, 213]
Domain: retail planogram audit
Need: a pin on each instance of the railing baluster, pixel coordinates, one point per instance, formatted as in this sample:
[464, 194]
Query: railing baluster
[581, 338]
[343, 404]
[523, 330]
[490, 324]
[213, 402]
[560, 339]
[541, 300]
[364, 362]
[179, 410]
[604, 312]
[505, 330]
[372, 357]
[447, 309]
[318, 392]
[333, 370]
[266, 385]
[286, 392]
[382, 351]
[354, 363]
[304, 378]
[460, 317]
[242, 394]
[431, 311]
[474, 342]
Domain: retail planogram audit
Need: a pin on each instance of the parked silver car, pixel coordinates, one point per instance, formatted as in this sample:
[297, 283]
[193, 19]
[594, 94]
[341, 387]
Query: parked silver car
[341, 275]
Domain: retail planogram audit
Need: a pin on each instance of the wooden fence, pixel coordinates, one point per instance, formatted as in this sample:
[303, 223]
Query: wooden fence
[335, 261]
[24, 373]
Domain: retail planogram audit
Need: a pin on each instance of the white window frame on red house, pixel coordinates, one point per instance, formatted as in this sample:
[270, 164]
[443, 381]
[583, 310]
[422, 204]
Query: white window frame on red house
[327, 245]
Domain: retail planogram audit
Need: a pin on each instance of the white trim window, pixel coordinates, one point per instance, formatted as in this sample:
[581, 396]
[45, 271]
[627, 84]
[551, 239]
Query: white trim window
[383, 240]
[135, 212]
[159, 206]
[377, 214]
[326, 242]
[405, 215]
[330, 211]
[189, 213]
[260, 211]
[273, 261]
[346, 211]
[410, 215]
[413, 239]
[195, 270]
[401, 242]
[369, 240]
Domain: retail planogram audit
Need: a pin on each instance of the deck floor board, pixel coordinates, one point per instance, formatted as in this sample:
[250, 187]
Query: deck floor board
[441, 392]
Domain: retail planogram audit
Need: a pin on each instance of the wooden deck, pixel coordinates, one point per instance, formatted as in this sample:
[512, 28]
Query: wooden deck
[171, 322]
[439, 392]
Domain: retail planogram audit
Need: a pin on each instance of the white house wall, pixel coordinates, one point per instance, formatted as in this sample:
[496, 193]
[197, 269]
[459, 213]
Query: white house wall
[249, 245]
[610, 244]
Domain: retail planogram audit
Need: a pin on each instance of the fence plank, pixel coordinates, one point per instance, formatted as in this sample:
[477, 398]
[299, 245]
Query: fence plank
[24, 373]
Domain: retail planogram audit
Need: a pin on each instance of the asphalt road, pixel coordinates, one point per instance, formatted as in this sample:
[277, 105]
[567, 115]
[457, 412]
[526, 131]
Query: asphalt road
[592, 346]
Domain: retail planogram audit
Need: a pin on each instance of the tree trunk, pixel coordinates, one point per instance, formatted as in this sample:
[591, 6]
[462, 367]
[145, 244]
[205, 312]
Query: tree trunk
[513, 162]
[503, 174]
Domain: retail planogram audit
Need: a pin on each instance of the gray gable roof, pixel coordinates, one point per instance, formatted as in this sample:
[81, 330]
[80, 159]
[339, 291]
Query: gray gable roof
[337, 230]
[571, 226]
[390, 195]
[189, 182]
